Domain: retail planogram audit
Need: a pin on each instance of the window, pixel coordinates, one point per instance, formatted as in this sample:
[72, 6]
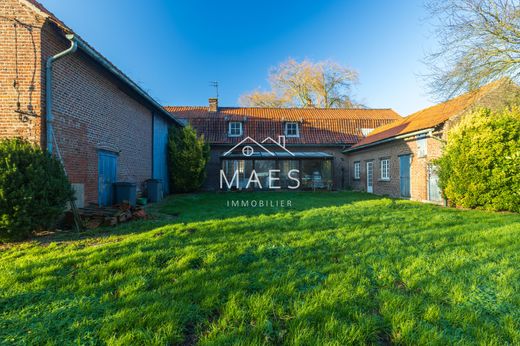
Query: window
[357, 168]
[235, 129]
[385, 169]
[291, 129]
[422, 146]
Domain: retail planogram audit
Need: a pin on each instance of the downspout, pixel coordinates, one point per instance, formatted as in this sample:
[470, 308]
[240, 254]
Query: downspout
[48, 88]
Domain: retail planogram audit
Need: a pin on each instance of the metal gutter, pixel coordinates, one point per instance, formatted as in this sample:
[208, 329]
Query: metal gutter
[410, 134]
[107, 65]
[48, 88]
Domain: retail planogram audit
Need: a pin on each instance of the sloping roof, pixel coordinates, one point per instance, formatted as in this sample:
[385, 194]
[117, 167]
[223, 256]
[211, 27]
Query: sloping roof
[100, 58]
[317, 126]
[429, 117]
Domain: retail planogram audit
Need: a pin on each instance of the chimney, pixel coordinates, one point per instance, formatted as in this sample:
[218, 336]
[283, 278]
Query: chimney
[213, 104]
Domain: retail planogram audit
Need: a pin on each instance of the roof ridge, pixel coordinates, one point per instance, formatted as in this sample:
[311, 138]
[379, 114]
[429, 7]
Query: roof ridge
[432, 116]
[284, 108]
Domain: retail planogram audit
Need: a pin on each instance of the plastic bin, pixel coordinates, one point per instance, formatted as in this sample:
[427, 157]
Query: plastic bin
[154, 190]
[125, 192]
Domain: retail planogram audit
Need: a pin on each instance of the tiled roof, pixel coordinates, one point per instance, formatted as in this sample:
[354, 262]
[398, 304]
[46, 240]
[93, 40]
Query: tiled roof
[429, 117]
[317, 126]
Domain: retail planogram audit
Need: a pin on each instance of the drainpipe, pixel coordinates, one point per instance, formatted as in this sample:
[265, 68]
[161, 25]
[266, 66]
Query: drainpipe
[48, 87]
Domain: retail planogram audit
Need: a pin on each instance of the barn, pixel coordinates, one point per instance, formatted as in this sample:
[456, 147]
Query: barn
[62, 94]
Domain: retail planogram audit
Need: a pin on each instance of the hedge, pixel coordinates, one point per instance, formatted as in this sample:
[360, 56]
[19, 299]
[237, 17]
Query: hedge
[33, 189]
[480, 166]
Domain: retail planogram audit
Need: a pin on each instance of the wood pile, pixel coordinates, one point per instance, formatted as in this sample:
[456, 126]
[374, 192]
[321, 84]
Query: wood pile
[95, 216]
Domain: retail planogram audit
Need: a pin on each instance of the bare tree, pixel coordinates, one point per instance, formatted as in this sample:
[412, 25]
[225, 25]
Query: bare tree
[479, 42]
[306, 84]
[263, 99]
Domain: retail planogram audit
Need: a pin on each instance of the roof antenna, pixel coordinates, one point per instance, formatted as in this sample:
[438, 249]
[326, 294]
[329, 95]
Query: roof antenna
[215, 85]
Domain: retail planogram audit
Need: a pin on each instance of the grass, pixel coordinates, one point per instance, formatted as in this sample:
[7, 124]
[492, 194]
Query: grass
[334, 269]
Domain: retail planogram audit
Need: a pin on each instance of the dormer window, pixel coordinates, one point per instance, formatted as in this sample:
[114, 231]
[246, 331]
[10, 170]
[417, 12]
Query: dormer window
[291, 129]
[235, 129]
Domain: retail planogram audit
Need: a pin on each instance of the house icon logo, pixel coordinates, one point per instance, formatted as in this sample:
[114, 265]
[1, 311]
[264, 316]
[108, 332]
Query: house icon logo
[249, 143]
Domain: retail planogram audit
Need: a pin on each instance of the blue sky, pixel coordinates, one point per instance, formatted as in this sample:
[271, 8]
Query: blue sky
[173, 49]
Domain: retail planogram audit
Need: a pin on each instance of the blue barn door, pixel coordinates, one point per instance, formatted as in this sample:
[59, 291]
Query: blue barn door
[107, 175]
[404, 174]
[160, 151]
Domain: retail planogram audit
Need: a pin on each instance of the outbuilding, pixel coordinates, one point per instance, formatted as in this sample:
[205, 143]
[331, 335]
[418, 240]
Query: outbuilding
[62, 94]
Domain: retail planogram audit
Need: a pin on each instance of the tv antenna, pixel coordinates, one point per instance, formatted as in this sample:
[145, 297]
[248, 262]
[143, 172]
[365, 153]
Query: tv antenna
[214, 84]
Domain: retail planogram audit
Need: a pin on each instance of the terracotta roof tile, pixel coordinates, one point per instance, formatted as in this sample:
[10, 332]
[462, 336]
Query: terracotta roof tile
[429, 117]
[318, 126]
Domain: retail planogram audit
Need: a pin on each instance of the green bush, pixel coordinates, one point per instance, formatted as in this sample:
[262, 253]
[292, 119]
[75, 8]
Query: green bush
[188, 155]
[480, 166]
[33, 189]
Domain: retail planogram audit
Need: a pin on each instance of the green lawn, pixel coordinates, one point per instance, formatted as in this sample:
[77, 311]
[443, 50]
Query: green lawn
[335, 268]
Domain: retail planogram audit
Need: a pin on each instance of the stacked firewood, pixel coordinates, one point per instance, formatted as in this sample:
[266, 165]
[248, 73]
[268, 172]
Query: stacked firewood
[95, 216]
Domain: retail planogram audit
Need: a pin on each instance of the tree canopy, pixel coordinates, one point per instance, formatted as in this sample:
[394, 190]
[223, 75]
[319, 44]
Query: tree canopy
[479, 42]
[323, 84]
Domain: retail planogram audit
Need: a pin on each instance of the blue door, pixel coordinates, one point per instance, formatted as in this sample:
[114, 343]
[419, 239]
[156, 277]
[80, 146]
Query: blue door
[404, 174]
[160, 151]
[434, 192]
[107, 174]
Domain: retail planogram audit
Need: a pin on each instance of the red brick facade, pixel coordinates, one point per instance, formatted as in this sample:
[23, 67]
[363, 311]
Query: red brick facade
[20, 71]
[92, 110]
[392, 151]
[495, 95]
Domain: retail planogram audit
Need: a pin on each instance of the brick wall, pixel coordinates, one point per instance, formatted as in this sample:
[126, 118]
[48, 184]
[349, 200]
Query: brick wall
[20, 71]
[92, 111]
[392, 151]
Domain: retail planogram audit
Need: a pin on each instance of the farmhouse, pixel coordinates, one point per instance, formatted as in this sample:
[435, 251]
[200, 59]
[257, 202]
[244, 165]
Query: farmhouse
[255, 141]
[62, 94]
[397, 159]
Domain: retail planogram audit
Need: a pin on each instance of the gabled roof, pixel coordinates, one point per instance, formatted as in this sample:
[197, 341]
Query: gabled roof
[429, 117]
[107, 64]
[317, 126]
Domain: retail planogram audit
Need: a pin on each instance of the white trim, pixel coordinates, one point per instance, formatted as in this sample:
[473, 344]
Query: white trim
[241, 128]
[242, 141]
[275, 142]
[357, 173]
[381, 170]
[370, 188]
[386, 140]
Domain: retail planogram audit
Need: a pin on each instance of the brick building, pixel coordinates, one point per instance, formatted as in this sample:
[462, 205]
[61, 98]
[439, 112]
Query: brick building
[310, 140]
[60, 93]
[396, 159]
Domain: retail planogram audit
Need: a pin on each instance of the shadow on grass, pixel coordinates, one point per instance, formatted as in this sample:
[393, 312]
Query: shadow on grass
[208, 206]
[339, 270]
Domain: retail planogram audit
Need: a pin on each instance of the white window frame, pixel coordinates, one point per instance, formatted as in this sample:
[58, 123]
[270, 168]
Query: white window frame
[287, 127]
[357, 170]
[384, 168]
[231, 129]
